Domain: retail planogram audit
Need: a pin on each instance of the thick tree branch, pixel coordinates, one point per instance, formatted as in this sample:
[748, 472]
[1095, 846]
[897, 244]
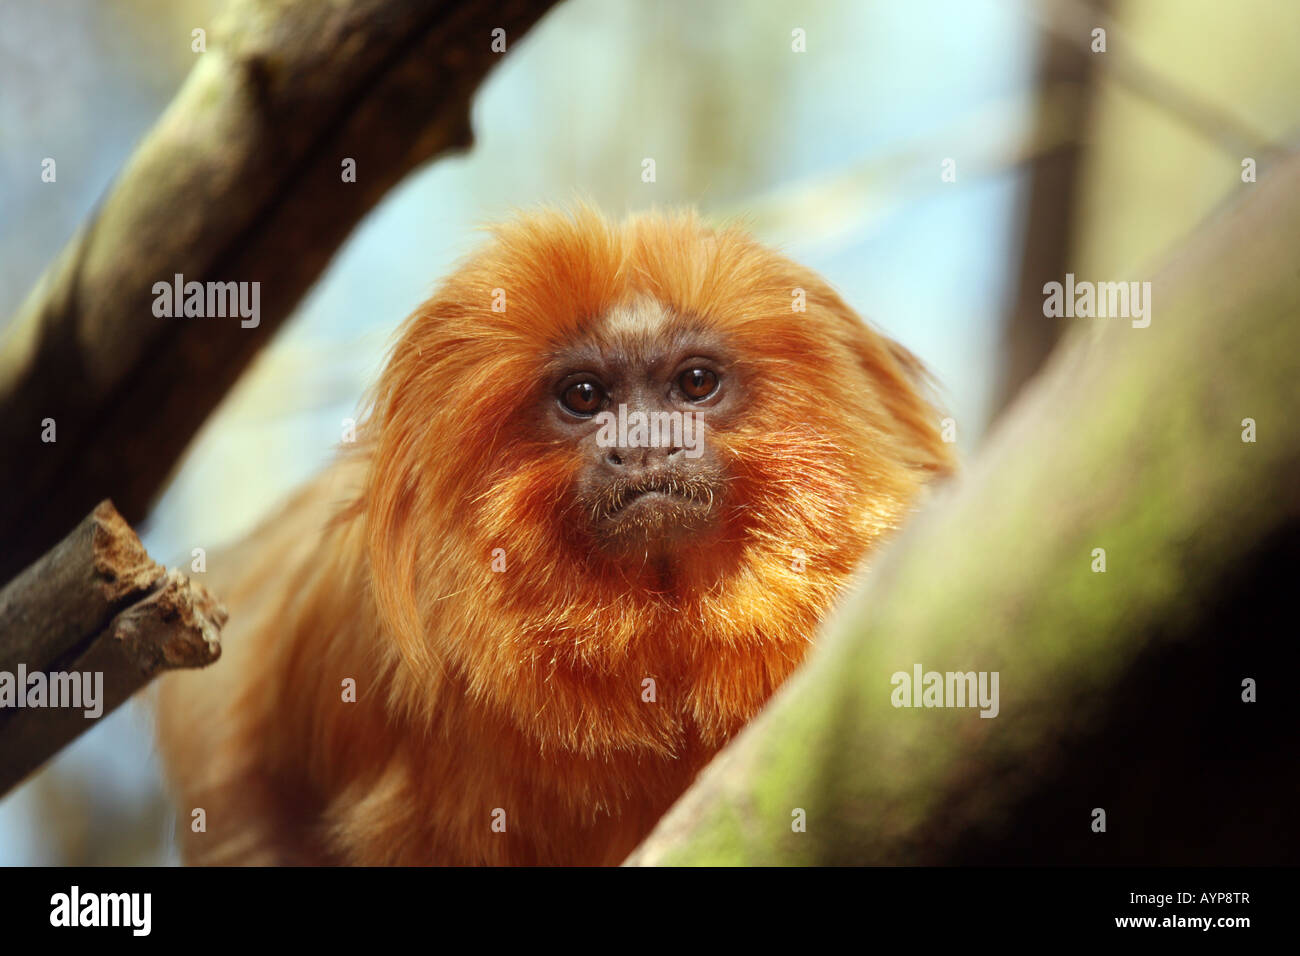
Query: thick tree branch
[98, 609]
[239, 181]
[1120, 690]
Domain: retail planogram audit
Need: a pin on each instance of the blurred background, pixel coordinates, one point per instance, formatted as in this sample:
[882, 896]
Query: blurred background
[835, 155]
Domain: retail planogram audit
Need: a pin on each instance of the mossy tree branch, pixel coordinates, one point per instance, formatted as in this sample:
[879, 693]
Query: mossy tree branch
[1120, 690]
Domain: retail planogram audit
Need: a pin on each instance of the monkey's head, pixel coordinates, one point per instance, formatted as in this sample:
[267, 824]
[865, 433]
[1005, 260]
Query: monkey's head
[642, 449]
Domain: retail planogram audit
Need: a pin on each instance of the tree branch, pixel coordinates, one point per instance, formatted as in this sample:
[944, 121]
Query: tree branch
[240, 180]
[1120, 690]
[1028, 336]
[95, 605]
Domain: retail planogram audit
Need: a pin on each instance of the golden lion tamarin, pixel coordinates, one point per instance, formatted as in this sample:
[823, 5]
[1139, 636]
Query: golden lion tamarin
[551, 622]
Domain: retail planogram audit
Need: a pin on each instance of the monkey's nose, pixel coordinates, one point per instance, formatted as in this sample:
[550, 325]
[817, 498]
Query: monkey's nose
[632, 460]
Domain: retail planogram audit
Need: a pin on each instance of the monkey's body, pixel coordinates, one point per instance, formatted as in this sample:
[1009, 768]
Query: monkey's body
[548, 639]
[288, 773]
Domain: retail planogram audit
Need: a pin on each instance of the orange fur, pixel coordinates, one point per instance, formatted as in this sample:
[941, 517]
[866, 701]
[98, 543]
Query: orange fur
[522, 690]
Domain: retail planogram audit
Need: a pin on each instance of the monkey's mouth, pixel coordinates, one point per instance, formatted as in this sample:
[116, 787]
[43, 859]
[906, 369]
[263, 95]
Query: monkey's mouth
[655, 506]
[656, 489]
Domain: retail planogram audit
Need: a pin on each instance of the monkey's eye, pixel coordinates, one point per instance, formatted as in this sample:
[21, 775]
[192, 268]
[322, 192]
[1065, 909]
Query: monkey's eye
[583, 398]
[697, 383]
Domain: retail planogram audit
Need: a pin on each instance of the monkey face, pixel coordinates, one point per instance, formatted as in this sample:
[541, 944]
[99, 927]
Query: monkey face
[614, 431]
[637, 401]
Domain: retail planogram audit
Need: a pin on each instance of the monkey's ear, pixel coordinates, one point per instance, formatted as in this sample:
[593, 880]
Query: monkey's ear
[396, 513]
[904, 386]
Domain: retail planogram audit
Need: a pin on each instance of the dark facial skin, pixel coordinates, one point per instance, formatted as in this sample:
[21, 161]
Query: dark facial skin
[637, 499]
